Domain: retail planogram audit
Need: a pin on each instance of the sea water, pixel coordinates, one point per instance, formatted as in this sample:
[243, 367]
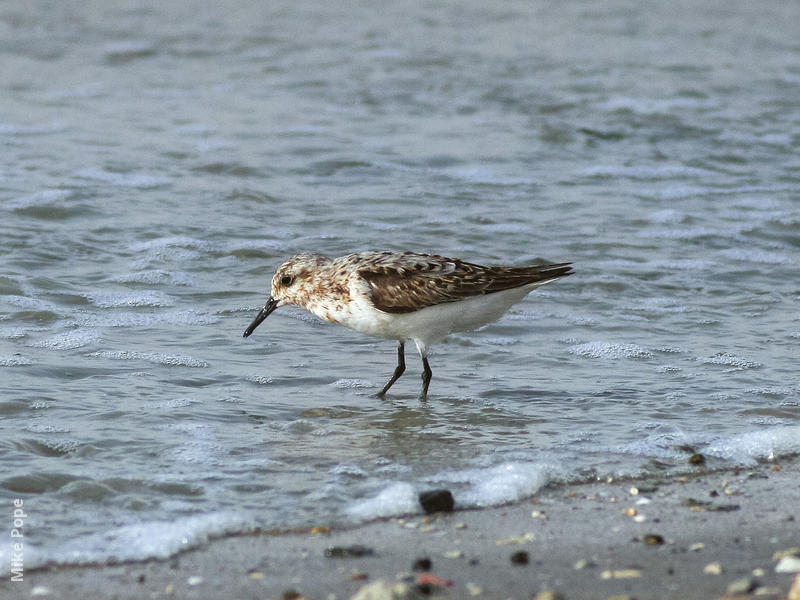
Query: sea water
[160, 161]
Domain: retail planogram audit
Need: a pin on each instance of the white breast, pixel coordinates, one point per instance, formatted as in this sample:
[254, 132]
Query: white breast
[432, 323]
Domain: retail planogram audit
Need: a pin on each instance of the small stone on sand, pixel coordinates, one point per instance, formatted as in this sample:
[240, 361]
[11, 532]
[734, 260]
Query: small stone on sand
[696, 547]
[793, 551]
[741, 586]
[653, 539]
[794, 591]
[520, 558]
[381, 590]
[354, 551]
[788, 564]
[422, 564]
[621, 574]
[433, 501]
[713, 568]
[697, 459]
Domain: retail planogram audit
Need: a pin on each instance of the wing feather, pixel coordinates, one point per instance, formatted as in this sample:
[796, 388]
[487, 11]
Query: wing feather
[403, 283]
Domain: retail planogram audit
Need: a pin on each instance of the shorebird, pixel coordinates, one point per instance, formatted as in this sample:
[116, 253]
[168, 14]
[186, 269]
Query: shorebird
[403, 296]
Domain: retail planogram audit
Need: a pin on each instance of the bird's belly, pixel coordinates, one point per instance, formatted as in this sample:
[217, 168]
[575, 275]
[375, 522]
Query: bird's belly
[433, 323]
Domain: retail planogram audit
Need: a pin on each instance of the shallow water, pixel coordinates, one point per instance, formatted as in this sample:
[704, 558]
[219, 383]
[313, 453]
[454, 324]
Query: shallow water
[160, 163]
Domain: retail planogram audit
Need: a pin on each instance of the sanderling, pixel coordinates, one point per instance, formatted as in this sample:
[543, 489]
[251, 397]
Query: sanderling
[403, 296]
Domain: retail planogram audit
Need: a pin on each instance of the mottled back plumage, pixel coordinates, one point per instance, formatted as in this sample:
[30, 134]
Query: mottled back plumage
[406, 282]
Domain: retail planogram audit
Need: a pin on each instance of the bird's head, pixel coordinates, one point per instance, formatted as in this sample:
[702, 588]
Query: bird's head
[291, 284]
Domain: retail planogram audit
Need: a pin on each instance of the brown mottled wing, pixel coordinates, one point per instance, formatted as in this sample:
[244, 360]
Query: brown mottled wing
[420, 280]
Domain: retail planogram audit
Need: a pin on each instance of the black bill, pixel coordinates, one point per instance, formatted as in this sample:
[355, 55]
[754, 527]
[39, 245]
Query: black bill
[271, 305]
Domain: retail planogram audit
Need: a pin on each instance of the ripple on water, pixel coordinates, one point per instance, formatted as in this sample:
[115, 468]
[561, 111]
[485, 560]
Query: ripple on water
[758, 256]
[133, 180]
[646, 171]
[41, 199]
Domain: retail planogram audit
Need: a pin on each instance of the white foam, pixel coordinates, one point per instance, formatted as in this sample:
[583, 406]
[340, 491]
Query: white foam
[352, 384]
[69, 340]
[170, 317]
[61, 446]
[500, 484]
[491, 486]
[399, 498]
[737, 362]
[502, 341]
[774, 391]
[31, 303]
[662, 441]
[15, 361]
[171, 360]
[137, 542]
[655, 304]
[609, 350]
[581, 320]
[143, 298]
[43, 428]
[174, 403]
[13, 333]
[348, 470]
[763, 444]
[156, 276]
[171, 242]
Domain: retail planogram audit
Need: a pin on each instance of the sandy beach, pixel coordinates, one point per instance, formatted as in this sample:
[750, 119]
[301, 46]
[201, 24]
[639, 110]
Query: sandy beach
[694, 537]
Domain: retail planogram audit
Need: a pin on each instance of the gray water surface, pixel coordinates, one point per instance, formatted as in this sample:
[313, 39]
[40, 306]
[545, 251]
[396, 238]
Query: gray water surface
[160, 161]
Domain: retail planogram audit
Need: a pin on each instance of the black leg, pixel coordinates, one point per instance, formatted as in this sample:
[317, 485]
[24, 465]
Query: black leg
[401, 367]
[426, 377]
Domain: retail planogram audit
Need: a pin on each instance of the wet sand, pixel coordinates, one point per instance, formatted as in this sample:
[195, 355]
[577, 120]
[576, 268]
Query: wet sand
[689, 537]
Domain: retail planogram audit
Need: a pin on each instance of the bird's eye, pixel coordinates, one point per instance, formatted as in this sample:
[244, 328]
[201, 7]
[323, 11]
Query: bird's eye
[286, 280]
